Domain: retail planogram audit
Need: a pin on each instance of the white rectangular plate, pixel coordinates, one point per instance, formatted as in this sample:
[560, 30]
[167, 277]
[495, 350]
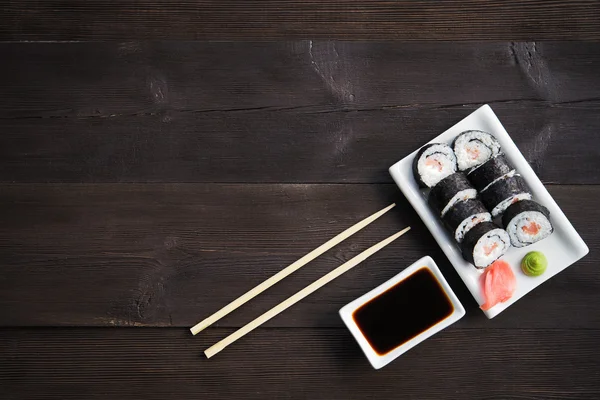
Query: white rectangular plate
[379, 361]
[562, 248]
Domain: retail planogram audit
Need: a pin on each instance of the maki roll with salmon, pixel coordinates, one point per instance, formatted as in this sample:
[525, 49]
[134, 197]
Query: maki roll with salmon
[503, 192]
[527, 222]
[433, 163]
[473, 148]
[464, 215]
[489, 172]
[449, 191]
[484, 244]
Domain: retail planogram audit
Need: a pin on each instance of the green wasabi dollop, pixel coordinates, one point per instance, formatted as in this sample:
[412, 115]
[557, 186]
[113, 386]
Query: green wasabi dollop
[534, 263]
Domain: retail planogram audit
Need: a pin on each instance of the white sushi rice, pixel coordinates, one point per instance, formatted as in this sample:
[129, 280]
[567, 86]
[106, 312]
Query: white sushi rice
[509, 174]
[518, 232]
[504, 204]
[490, 247]
[443, 165]
[473, 148]
[468, 223]
[459, 196]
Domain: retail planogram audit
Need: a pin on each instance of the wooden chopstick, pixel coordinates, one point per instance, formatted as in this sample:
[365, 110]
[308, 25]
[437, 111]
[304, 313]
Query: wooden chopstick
[214, 349]
[199, 327]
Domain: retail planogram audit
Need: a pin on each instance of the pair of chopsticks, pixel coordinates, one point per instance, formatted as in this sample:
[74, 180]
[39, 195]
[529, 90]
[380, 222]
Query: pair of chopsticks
[216, 348]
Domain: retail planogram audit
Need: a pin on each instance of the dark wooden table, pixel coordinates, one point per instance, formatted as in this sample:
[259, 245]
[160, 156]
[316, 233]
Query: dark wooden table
[146, 182]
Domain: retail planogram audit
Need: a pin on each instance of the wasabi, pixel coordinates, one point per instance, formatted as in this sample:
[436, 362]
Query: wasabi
[534, 263]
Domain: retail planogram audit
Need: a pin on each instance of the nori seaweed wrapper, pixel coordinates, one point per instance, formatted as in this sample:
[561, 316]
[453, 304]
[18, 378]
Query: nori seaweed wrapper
[461, 211]
[442, 193]
[478, 136]
[503, 189]
[521, 206]
[472, 237]
[415, 165]
[487, 172]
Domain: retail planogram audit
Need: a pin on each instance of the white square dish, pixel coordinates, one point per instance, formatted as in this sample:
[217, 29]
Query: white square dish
[378, 361]
[562, 248]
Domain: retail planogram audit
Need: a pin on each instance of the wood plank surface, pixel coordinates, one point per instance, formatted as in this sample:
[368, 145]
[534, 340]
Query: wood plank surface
[148, 183]
[130, 78]
[170, 255]
[295, 364]
[291, 112]
[338, 147]
[242, 20]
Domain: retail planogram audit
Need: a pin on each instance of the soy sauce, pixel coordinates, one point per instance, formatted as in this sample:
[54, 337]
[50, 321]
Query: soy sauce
[405, 310]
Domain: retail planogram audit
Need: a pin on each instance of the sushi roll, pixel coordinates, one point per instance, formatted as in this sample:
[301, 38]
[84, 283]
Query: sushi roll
[484, 244]
[450, 191]
[490, 171]
[473, 148]
[505, 191]
[464, 215]
[527, 222]
[433, 163]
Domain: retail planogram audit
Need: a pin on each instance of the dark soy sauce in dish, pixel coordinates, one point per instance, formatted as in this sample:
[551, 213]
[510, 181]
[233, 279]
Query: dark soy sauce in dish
[405, 310]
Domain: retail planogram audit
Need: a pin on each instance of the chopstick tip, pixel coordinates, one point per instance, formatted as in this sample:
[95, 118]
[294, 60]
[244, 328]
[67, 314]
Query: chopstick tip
[196, 329]
[210, 352]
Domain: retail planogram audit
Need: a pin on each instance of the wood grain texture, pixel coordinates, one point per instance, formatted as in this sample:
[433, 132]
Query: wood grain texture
[131, 78]
[255, 147]
[295, 364]
[242, 20]
[291, 112]
[170, 255]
